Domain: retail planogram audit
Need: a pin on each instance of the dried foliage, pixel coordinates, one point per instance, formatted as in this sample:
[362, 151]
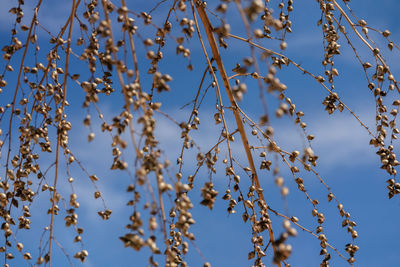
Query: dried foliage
[102, 60]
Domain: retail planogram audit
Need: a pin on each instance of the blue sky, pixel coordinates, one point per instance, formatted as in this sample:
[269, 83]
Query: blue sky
[346, 161]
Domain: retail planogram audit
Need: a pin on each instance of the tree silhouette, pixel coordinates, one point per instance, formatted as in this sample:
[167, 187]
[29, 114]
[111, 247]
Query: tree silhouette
[186, 103]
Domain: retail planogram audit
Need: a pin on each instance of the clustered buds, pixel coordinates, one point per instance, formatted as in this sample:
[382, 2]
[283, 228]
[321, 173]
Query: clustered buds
[114, 43]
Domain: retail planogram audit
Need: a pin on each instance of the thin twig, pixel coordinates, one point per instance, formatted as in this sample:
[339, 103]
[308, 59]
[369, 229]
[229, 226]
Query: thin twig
[59, 130]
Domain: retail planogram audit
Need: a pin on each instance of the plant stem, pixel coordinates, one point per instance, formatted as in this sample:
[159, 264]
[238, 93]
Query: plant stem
[215, 51]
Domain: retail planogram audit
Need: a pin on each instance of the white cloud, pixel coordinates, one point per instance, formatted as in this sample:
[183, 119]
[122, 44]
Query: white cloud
[339, 139]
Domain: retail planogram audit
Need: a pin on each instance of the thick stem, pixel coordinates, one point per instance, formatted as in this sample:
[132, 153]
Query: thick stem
[214, 48]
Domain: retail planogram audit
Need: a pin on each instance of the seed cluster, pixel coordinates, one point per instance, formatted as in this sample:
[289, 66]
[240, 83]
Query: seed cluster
[123, 57]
